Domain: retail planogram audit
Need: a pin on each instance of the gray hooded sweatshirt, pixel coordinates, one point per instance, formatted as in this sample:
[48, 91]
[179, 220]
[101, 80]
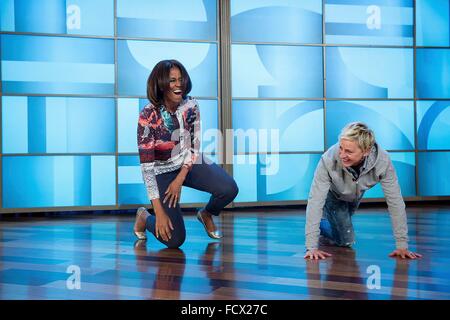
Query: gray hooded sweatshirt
[330, 175]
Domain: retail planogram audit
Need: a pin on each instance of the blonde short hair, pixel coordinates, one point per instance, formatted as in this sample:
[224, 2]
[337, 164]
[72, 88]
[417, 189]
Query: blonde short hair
[359, 132]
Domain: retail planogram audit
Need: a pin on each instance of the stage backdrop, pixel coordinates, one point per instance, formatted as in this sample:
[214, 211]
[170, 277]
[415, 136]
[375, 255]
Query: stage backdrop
[73, 80]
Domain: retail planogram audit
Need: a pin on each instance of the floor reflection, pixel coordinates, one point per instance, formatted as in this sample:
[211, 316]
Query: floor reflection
[170, 265]
[400, 284]
[212, 266]
[342, 267]
[259, 258]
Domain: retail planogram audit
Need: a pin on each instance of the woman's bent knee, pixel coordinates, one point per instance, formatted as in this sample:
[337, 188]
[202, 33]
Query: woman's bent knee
[231, 190]
[176, 242]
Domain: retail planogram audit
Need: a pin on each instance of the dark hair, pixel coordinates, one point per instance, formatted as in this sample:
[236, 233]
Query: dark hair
[159, 80]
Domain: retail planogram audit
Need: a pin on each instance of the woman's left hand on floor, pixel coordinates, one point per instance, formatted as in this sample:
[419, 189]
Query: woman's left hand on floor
[405, 254]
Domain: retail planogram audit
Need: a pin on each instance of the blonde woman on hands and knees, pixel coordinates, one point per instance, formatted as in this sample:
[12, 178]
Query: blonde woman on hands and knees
[345, 171]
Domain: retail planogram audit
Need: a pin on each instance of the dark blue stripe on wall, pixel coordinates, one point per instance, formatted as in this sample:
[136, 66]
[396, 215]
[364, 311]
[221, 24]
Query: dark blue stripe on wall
[47, 16]
[37, 125]
[132, 193]
[261, 180]
[427, 122]
[386, 3]
[57, 49]
[142, 103]
[30, 87]
[134, 27]
[129, 161]
[82, 181]
[356, 29]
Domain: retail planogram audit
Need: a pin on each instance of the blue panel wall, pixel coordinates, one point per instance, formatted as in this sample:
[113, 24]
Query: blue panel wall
[57, 65]
[376, 22]
[73, 82]
[391, 121]
[432, 73]
[53, 181]
[262, 71]
[58, 16]
[433, 177]
[189, 19]
[135, 64]
[58, 125]
[292, 96]
[268, 21]
[433, 23]
[369, 73]
[290, 126]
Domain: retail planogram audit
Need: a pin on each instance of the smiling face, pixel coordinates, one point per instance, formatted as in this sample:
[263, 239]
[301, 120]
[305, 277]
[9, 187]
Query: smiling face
[174, 93]
[350, 153]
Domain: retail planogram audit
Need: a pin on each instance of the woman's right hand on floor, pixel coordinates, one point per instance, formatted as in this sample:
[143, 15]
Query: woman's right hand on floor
[163, 226]
[316, 254]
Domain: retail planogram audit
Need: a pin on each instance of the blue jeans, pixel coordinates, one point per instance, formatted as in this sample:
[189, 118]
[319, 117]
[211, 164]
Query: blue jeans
[205, 176]
[337, 222]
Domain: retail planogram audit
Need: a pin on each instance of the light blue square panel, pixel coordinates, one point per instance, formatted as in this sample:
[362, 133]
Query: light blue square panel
[433, 125]
[275, 177]
[433, 173]
[135, 64]
[58, 125]
[432, 73]
[381, 73]
[433, 23]
[57, 65]
[391, 121]
[55, 181]
[375, 22]
[288, 21]
[174, 19]
[274, 126]
[273, 71]
[58, 16]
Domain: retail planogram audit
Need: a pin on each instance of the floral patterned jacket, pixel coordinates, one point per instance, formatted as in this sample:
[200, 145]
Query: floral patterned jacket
[167, 141]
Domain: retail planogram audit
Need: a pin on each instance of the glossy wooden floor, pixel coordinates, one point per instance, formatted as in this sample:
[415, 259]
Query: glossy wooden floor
[260, 257]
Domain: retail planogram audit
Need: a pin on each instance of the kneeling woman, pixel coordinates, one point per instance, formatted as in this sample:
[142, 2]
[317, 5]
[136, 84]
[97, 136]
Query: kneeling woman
[168, 137]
